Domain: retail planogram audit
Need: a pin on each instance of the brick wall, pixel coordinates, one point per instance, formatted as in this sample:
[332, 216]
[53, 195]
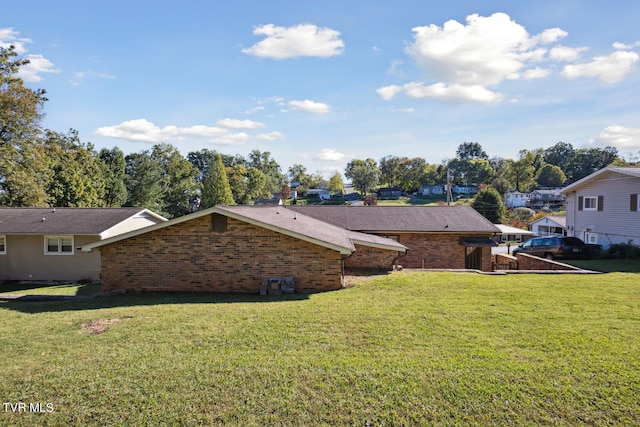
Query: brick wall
[366, 257]
[437, 251]
[529, 262]
[190, 256]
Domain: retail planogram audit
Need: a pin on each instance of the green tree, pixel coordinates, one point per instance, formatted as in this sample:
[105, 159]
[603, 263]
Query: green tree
[216, 189]
[113, 170]
[471, 151]
[589, 160]
[144, 181]
[77, 178]
[335, 184]
[392, 170]
[521, 172]
[178, 180]
[273, 177]
[364, 174]
[24, 169]
[550, 176]
[561, 155]
[489, 204]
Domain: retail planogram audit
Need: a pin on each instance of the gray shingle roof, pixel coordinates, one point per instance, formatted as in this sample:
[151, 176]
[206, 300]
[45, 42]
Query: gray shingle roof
[76, 221]
[450, 219]
[281, 220]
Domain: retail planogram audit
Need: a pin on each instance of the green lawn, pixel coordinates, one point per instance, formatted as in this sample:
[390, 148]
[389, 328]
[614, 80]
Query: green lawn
[410, 348]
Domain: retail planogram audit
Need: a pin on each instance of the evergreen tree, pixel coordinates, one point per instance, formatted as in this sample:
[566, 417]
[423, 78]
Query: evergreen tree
[216, 189]
[113, 169]
[488, 203]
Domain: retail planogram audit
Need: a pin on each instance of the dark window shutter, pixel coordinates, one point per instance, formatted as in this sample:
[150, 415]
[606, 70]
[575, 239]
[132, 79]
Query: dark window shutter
[634, 203]
[580, 203]
[600, 203]
[218, 223]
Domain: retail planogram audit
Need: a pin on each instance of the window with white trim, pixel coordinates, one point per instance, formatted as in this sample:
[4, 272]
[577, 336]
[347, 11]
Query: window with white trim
[590, 203]
[58, 245]
[3, 245]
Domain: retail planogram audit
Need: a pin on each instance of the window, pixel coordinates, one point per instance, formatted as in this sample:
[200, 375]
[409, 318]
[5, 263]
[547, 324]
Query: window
[634, 206]
[591, 203]
[591, 238]
[3, 245]
[58, 245]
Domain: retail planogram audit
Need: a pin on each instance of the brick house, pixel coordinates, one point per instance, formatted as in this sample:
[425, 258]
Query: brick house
[437, 237]
[235, 248]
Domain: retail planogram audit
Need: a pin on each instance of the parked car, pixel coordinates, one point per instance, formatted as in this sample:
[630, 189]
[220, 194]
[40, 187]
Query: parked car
[555, 247]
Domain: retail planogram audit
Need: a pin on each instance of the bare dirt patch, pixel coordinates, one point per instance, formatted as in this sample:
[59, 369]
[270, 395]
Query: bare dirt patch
[100, 326]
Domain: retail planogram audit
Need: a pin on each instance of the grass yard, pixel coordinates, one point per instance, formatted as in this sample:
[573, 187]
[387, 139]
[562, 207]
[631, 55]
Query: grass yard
[409, 348]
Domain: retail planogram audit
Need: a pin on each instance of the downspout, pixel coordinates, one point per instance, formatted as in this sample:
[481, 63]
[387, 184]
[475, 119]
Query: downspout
[394, 262]
[342, 260]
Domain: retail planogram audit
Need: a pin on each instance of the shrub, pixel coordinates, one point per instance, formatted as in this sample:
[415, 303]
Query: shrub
[623, 251]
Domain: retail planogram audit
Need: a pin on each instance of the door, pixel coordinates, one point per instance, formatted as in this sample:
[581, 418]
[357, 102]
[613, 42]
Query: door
[473, 258]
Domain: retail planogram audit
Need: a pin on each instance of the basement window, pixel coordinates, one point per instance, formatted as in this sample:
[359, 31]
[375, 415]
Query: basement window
[58, 245]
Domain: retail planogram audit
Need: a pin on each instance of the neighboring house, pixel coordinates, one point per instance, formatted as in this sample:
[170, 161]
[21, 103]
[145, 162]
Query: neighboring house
[322, 193]
[604, 207]
[390, 192]
[516, 199]
[549, 226]
[513, 234]
[41, 243]
[431, 190]
[465, 189]
[437, 237]
[235, 249]
[552, 199]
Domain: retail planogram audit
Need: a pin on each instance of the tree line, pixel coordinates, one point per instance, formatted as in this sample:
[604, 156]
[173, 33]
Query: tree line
[41, 167]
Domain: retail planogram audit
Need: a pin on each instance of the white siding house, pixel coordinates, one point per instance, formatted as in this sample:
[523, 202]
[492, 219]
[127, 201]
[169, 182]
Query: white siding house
[549, 226]
[603, 208]
[515, 199]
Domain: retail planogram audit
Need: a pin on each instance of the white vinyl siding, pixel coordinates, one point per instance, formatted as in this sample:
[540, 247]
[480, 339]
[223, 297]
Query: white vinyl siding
[613, 220]
[58, 245]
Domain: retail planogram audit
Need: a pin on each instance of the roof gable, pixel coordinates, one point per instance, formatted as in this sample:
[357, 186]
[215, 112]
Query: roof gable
[68, 221]
[602, 174]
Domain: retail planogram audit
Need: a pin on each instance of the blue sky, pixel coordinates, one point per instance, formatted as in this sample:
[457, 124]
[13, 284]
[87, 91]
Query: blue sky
[322, 83]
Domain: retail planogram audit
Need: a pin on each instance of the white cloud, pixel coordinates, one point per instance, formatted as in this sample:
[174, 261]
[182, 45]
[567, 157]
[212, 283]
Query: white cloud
[80, 76]
[38, 64]
[330, 155]
[566, 54]
[296, 41]
[467, 60]
[551, 35]
[271, 136]
[484, 52]
[622, 46]
[609, 69]
[389, 92]
[310, 106]
[443, 92]
[536, 73]
[8, 37]
[231, 139]
[623, 138]
[240, 124]
[145, 131]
